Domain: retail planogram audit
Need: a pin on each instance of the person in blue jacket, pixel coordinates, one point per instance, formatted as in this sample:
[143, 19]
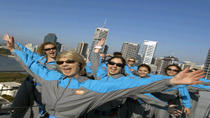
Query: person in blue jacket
[27, 102]
[65, 96]
[143, 71]
[130, 67]
[174, 96]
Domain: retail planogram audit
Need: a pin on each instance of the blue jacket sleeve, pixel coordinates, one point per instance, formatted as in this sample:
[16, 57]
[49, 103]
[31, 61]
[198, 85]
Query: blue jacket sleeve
[101, 71]
[29, 52]
[206, 81]
[200, 87]
[184, 93]
[36, 68]
[88, 69]
[185, 97]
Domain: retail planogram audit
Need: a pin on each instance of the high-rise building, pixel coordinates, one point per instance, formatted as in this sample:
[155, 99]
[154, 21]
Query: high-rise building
[82, 48]
[130, 50]
[98, 35]
[106, 47]
[207, 66]
[50, 37]
[148, 51]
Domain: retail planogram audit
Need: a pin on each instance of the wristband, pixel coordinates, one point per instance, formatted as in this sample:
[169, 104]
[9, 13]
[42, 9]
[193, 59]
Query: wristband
[98, 47]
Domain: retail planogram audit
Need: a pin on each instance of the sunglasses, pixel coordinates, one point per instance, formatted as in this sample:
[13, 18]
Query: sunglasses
[67, 61]
[131, 60]
[47, 49]
[117, 64]
[172, 70]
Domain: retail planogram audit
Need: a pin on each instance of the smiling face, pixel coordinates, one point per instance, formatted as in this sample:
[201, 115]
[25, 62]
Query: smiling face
[114, 66]
[70, 63]
[131, 61]
[50, 50]
[69, 67]
[172, 71]
[143, 71]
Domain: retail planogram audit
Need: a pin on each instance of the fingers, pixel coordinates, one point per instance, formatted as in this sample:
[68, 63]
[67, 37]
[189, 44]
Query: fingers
[177, 112]
[196, 75]
[6, 37]
[198, 72]
[197, 82]
[101, 42]
[11, 37]
[187, 111]
[185, 70]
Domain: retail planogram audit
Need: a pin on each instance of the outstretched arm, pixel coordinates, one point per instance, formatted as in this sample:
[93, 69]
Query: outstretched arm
[11, 45]
[29, 52]
[199, 87]
[37, 70]
[96, 59]
[126, 87]
[187, 78]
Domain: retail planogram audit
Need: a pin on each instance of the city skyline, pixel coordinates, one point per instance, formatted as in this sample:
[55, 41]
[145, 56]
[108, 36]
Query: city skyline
[182, 27]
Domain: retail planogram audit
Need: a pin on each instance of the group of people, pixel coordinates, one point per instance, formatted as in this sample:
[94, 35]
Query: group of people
[63, 86]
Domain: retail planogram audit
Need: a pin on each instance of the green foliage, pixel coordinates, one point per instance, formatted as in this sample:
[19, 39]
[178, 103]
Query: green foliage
[8, 97]
[4, 51]
[12, 77]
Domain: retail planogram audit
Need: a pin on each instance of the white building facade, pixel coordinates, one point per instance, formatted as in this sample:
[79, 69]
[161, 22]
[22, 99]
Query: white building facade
[148, 51]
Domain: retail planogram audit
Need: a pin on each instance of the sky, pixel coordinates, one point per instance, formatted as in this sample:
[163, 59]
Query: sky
[181, 27]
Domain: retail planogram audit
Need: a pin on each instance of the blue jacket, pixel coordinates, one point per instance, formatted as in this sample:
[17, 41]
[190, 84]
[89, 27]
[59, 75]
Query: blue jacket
[59, 93]
[127, 70]
[183, 91]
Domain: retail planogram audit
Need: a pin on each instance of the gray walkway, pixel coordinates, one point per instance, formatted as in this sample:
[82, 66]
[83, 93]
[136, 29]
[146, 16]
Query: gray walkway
[203, 103]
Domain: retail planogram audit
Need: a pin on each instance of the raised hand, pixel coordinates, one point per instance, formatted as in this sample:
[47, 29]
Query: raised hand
[101, 42]
[188, 78]
[6, 37]
[173, 111]
[9, 41]
[187, 111]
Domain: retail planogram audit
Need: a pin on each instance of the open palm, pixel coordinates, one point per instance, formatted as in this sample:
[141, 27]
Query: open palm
[188, 78]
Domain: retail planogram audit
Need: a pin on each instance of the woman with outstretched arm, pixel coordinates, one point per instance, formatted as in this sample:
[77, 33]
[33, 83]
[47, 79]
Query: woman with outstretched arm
[64, 96]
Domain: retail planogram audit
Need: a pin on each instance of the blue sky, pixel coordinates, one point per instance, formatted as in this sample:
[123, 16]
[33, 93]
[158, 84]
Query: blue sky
[181, 27]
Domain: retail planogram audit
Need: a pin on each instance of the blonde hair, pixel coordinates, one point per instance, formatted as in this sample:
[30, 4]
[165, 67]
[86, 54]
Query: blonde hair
[73, 56]
[41, 50]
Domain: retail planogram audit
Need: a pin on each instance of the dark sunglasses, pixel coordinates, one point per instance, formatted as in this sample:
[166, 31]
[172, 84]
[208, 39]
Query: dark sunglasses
[117, 64]
[47, 49]
[67, 61]
[172, 70]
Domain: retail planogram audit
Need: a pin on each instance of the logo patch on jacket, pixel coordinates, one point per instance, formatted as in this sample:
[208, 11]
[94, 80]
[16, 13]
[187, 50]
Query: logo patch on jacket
[79, 92]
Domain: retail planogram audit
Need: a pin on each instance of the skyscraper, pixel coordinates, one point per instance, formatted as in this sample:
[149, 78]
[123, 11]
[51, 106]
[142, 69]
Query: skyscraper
[82, 48]
[106, 47]
[50, 37]
[207, 65]
[130, 50]
[148, 51]
[98, 35]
